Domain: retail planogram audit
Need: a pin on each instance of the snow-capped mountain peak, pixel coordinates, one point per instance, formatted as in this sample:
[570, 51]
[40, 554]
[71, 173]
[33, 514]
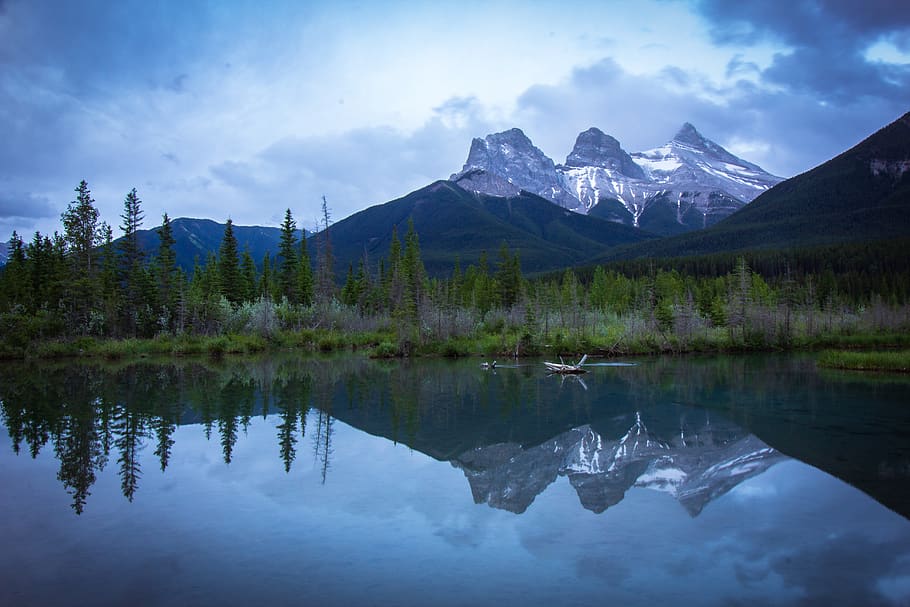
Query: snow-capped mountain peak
[594, 148]
[697, 164]
[688, 183]
[502, 163]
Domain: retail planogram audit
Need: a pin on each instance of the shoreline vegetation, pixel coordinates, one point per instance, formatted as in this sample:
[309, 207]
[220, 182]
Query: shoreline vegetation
[82, 294]
[859, 351]
[879, 361]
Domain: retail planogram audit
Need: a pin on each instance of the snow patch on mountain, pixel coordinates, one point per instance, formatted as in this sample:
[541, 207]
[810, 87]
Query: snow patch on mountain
[688, 183]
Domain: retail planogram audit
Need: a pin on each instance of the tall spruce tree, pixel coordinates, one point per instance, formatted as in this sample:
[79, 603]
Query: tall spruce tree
[15, 274]
[112, 293]
[305, 286]
[130, 252]
[82, 234]
[131, 259]
[508, 276]
[248, 275]
[168, 292]
[229, 266]
[413, 273]
[325, 277]
[287, 269]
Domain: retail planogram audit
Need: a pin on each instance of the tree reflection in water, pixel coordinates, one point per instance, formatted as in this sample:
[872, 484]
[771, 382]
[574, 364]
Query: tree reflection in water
[501, 428]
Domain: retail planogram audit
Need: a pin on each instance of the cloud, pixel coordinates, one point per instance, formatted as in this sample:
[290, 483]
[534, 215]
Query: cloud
[355, 169]
[805, 22]
[785, 128]
[235, 110]
[25, 205]
[826, 43]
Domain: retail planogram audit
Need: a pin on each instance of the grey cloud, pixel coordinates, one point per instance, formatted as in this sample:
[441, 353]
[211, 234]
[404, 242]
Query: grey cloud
[805, 22]
[843, 77]
[641, 112]
[356, 169]
[858, 585]
[788, 130]
[736, 66]
[25, 205]
[92, 45]
[827, 40]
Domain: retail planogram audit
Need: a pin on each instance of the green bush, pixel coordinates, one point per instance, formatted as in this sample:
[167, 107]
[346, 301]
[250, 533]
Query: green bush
[385, 349]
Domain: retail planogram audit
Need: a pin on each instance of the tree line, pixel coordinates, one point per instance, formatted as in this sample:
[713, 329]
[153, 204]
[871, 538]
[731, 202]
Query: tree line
[83, 284]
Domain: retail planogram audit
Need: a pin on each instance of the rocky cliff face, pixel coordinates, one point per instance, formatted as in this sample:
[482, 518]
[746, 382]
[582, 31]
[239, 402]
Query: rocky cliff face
[509, 159]
[689, 183]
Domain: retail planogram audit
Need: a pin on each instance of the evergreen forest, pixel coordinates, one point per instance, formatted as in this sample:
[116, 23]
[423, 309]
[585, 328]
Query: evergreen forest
[82, 292]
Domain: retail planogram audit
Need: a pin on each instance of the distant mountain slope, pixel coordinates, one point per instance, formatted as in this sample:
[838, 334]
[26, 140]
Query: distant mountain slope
[198, 237]
[862, 194]
[452, 222]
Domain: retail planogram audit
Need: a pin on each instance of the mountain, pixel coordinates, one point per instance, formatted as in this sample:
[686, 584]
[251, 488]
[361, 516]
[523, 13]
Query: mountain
[508, 162]
[687, 184]
[454, 223]
[861, 195]
[4, 253]
[694, 469]
[198, 237]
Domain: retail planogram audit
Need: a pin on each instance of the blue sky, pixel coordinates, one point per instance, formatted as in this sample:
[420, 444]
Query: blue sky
[243, 109]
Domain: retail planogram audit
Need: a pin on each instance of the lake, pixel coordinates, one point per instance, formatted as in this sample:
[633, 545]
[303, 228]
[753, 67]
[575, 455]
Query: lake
[752, 480]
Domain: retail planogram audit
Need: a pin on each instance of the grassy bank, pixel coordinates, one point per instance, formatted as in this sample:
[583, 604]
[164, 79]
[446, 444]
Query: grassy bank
[894, 362]
[499, 341]
[195, 345]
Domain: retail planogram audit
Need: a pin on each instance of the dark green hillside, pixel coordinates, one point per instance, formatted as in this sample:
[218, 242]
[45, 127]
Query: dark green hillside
[199, 237]
[453, 223]
[861, 195]
[662, 217]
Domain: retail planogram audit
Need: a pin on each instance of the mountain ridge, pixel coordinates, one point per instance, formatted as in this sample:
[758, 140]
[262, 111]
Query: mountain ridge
[688, 183]
[861, 194]
[196, 238]
[454, 223]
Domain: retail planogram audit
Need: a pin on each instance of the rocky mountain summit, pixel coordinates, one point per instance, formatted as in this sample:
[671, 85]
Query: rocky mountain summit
[502, 164]
[689, 183]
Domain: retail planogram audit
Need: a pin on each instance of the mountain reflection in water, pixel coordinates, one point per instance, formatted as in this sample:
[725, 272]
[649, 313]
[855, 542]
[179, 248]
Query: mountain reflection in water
[695, 467]
[512, 432]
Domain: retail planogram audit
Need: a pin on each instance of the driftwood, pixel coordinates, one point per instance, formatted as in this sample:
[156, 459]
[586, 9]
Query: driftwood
[564, 368]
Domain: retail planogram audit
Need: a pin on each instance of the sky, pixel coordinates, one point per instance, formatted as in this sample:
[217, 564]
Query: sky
[241, 110]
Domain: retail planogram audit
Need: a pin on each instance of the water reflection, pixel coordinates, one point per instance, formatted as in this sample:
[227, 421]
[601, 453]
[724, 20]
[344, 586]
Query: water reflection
[692, 428]
[701, 462]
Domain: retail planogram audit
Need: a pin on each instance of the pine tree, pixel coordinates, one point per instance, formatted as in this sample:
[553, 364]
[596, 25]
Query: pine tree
[131, 258]
[599, 293]
[110, 285]
[15, 274]
[325, 277]
[248, 274]
[167, 269]
[413, 273]
[391, 273]
[229, 266]
[82, 234]
[130, 253]
[287, 268]
[265, 280]
[81, 230]
[509, 277]
[349, 291]
[305, 275]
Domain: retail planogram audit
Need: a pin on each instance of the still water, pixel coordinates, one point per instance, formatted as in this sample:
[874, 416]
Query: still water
[347, 481]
